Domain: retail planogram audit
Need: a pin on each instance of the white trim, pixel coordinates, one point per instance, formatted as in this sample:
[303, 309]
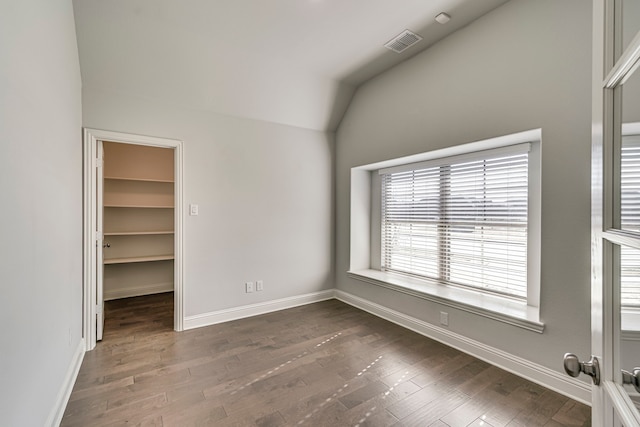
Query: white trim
[89, 247]
[625, 65]
[154, 288]
[532, 135]
[55, 417]
[178, 266]
[234, 313]
[624, 407]
[98, 225]
[556, 381]
[91, 136]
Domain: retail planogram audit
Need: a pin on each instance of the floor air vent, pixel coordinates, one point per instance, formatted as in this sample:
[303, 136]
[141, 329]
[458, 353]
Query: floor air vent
[403, 41]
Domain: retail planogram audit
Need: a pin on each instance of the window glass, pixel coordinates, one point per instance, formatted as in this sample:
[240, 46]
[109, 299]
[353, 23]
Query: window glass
[462, 222]
[630, 183]
[629, 18]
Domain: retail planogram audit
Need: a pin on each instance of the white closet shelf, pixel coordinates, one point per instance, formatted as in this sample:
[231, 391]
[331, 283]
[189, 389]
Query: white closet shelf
[137, 233]
[127, 178]
[127, 260]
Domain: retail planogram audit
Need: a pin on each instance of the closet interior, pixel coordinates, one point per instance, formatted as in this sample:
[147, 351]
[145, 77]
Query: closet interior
[138, 220]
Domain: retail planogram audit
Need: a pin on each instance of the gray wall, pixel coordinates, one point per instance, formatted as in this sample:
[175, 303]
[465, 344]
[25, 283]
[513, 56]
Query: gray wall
[264, 192]
[525, 65]
[41, 215]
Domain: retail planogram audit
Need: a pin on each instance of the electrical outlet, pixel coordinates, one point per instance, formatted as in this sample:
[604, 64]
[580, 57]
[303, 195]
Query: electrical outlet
[444, 318]
[249, 287]
[259, 285]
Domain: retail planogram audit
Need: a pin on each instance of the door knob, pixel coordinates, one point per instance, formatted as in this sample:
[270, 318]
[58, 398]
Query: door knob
[106, 245]
[573, 367]
[632, 378]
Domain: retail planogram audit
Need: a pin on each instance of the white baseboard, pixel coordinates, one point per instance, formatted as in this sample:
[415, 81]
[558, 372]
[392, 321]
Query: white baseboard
[241, 312]
[561, 383]
[55, 417]
[154, 288]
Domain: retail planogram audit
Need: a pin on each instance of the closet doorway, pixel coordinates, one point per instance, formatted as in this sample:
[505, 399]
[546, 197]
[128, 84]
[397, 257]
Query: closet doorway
[132, 222]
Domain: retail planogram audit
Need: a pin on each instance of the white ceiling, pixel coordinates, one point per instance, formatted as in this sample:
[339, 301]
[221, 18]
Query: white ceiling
[295, 62]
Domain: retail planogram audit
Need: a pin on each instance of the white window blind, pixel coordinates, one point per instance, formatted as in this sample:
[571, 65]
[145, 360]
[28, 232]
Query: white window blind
[630, 276]
[460, 221]
[630, 219]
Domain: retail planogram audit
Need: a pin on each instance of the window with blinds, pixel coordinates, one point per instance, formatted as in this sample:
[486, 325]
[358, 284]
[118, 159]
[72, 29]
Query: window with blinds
[460, 220]
[630, 219]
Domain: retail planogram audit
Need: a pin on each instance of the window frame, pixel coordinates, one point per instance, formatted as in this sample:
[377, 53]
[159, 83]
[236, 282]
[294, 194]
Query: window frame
[365, 238]
[447, 171]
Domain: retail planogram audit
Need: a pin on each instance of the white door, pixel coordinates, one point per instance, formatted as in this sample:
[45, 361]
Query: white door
[100, 243]
[615, 287]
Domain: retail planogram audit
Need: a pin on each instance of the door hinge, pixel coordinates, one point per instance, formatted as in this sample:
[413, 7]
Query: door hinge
[98, 163]
[98, 309]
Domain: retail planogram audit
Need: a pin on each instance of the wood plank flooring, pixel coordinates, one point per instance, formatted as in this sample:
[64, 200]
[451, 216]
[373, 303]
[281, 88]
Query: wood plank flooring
[323, 364]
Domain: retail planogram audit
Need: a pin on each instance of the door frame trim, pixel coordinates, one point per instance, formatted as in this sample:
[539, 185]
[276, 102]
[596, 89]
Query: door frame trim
[91, 136]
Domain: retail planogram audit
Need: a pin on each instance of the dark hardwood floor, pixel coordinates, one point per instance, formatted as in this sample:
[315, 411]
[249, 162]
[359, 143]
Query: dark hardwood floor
[323, 364]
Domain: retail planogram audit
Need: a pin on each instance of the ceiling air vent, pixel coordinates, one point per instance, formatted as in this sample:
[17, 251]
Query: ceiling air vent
[402, 41]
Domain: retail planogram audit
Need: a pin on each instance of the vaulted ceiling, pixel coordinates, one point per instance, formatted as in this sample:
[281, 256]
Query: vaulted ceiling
[295, 62]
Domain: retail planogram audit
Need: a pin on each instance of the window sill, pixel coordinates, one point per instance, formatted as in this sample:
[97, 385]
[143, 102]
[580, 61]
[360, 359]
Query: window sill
[494, 307]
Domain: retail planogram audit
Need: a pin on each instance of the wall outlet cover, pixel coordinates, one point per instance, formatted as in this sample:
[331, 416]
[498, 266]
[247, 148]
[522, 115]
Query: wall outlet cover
[444, 318]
